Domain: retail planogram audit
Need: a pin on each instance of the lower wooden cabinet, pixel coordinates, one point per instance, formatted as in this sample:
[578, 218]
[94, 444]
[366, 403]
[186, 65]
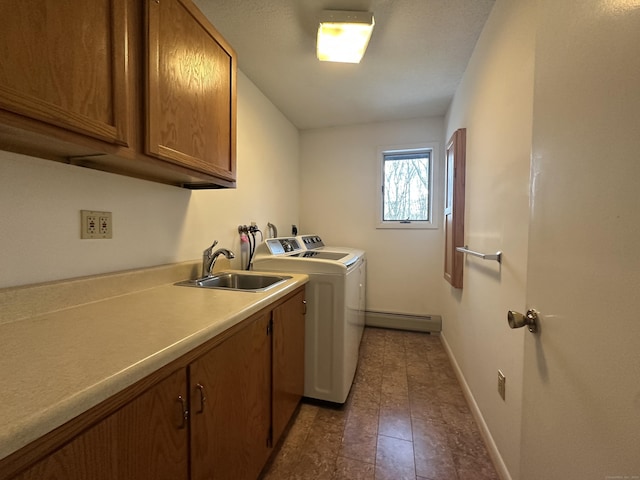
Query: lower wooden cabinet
[213, 414]
[146, 439]
[288, 360]
[230, 417]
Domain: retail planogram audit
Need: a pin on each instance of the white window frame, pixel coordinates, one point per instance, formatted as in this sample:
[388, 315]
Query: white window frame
[432, 223]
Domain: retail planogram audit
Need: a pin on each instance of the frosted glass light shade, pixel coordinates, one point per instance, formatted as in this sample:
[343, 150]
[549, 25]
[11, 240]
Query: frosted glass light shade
[344, 36]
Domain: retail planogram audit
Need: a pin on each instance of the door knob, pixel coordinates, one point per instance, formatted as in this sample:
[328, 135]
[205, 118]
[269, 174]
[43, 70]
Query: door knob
[518, 320]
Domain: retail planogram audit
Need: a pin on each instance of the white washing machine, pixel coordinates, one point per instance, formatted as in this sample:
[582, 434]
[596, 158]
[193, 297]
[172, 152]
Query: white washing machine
[335, 298]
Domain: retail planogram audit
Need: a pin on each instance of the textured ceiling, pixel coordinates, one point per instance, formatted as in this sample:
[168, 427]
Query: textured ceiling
[415, 60]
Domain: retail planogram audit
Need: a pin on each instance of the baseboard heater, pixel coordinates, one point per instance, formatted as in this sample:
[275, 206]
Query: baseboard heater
[402, 321]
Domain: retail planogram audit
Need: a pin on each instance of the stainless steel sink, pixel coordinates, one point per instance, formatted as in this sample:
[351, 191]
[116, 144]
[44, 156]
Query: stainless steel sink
[252, 282]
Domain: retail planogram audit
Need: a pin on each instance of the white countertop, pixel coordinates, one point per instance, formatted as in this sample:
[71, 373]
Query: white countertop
[57, 365]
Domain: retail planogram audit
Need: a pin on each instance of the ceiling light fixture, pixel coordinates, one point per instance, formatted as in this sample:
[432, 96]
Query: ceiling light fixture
[343, 36]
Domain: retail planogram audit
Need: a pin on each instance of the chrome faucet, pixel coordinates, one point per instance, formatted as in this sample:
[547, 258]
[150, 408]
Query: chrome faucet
[209, 258]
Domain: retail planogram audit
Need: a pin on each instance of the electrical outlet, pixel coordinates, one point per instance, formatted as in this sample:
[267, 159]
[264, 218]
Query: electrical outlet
[96, 224]
[502, 384]
[92, 221]
[104, 225]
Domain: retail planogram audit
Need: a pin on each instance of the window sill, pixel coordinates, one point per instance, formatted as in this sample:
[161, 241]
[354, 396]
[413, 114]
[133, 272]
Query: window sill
[407, 225]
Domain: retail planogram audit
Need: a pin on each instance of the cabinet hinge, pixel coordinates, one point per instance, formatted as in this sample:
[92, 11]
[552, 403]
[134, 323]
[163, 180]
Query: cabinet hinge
[270, 438]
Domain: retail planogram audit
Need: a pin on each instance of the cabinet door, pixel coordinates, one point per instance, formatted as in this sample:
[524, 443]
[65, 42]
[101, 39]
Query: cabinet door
[454, 208]
[153, 435]
[230, 392]
[145, 440]
[288, 361]
[64, 63]
[191, 90]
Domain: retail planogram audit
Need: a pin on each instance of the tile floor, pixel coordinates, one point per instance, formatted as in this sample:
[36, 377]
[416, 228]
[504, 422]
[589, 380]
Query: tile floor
[405, 418]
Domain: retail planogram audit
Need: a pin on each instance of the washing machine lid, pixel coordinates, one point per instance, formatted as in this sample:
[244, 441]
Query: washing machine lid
[313, 243]
[321, 255]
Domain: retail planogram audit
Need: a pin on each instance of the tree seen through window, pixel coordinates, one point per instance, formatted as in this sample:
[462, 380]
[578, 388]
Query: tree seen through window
[406, 186]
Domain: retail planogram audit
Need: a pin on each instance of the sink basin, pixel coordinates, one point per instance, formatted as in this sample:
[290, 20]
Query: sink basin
[250, 282]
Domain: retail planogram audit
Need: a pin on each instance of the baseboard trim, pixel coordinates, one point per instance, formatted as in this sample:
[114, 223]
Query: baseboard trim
[402, 321]
[492, 448]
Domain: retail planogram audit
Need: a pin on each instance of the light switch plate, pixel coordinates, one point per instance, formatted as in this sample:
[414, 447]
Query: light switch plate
[502, 380]
[97, 225]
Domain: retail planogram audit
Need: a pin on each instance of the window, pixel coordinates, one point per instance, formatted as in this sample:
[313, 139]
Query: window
[406, 193]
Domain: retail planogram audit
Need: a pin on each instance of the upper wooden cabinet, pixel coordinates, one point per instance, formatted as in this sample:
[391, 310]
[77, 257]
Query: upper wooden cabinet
[64, 63]
[190, 88]
[145, 89]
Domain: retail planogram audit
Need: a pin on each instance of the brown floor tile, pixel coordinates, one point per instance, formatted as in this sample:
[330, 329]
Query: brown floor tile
[323, 442]
[431, 448]
[359, 446]
[332, 419]
[364, 396]
[395, 418]
[369, 376]
[394, 459]
[418, 372]
[360, 433]
[457, 416]
[405, 417]
[350, 469]
[314, 465]
[363, 418]
[472, 468]
[394, 388]
[300, 426]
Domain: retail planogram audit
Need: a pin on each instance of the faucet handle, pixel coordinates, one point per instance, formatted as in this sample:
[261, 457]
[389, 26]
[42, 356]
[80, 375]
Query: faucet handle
[209, 251]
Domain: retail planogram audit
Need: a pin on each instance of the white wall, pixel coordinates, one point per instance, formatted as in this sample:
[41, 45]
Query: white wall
[338, 201]
[494, 102]
[153, 224]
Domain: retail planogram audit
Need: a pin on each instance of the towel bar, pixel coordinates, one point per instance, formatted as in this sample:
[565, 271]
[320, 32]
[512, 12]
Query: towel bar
[485, 256]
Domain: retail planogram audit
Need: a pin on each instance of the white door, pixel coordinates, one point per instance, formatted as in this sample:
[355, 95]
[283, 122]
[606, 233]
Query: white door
[581, 393]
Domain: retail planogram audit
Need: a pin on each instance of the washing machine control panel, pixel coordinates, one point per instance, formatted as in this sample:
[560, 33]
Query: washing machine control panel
[312, 241]
[278, 246]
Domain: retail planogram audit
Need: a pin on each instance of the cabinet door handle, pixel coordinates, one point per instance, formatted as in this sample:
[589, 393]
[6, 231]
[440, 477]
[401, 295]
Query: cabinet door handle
[304, 307]
[184, 412]
[203, 397]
